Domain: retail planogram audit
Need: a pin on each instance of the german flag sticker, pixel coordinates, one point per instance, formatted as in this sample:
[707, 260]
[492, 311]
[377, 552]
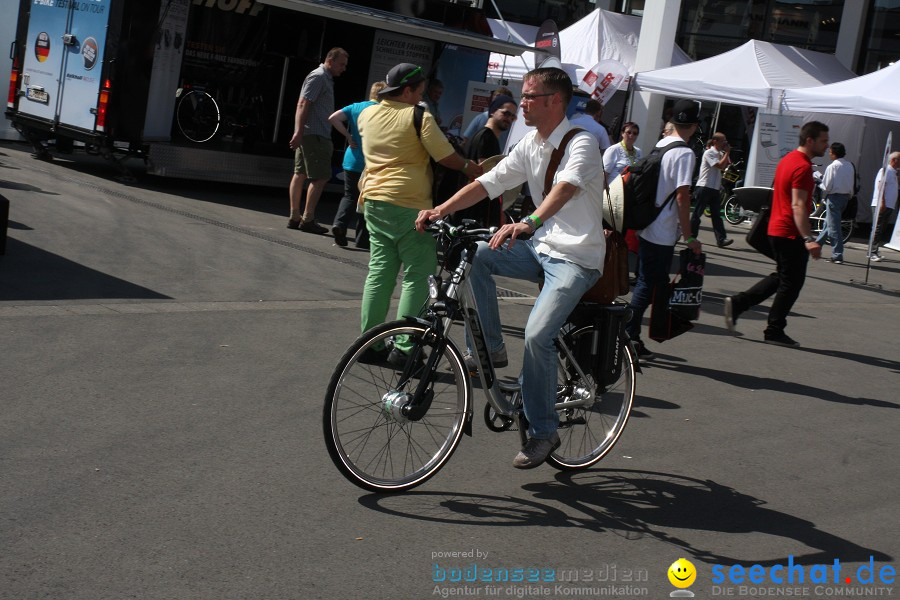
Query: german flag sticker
[42, 46]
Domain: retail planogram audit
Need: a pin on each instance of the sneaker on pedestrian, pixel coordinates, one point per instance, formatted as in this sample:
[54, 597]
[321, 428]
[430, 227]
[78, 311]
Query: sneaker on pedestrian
[730, 315]
[725, 242]
[876, 257]
[535, 452]
[641, 350]
[312, 227]
[362, 245]
[340, 236]
[498, 358]
[781, 339]
[398, 359]
[373, 356]
[292, 224]
[836, 260]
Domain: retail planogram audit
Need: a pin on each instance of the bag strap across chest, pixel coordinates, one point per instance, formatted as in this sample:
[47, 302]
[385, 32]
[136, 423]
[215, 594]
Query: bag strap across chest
[557, 157]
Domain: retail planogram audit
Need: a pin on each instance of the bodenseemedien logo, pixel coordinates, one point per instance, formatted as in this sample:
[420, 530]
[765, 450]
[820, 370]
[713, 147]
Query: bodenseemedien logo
[682, 575]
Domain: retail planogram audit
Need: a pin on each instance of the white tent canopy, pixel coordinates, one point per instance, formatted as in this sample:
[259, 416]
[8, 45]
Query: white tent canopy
[874, 95]
[753, 74]
[601, 35]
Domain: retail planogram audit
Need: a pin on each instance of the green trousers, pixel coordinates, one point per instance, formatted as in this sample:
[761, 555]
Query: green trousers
[394, 242]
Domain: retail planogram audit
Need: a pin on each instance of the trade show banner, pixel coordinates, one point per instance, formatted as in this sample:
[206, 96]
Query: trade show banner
[166, 70]
[457, 64]
[775, 135]
[390, 49]
[603, 80]
[478, 98]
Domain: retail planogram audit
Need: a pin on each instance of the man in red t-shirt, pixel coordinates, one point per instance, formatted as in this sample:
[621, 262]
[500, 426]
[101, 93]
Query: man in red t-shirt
[790, 235]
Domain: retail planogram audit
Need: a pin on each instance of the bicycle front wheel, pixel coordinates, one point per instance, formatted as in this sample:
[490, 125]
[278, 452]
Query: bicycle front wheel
[370, 436]
[588, 433]
[733, 212]
[198, 116]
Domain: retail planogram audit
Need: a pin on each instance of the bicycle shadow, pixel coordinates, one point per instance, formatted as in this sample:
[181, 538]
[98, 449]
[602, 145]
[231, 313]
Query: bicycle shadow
[753, 382]
[632, 504]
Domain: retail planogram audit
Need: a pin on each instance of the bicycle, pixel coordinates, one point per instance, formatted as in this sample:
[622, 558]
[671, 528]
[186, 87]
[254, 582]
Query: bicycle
[390, 429]
[818, 218]
[197, 114]
[200, 118]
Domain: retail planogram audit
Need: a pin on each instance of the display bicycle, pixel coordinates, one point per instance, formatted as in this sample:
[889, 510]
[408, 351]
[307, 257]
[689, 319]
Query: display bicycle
[389, 429]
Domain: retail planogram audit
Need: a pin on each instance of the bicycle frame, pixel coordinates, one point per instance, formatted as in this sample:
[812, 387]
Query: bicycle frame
[458, 300]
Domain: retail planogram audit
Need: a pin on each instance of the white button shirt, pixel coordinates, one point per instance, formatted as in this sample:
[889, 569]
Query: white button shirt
[575, 232]
[839, 177]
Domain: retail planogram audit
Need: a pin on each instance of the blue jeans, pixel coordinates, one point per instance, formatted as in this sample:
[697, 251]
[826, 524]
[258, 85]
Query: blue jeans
[834, 208]
[347, 209]
[564, 285]
[655, 262]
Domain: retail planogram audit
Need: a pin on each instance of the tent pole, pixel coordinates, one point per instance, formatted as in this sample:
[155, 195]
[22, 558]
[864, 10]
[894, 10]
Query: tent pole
[715, 123]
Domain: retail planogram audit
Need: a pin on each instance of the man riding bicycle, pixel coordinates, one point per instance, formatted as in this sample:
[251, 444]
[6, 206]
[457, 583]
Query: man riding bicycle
[566, 249]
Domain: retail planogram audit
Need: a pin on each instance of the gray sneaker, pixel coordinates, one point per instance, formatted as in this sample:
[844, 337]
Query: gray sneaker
[535, 452]
[498, 359]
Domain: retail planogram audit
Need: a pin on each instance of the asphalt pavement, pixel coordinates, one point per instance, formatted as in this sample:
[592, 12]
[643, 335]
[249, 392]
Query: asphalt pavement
[165, 347]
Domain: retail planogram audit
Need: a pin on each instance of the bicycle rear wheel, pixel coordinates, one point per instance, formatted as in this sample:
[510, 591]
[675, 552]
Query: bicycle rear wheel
[733, 212]
[369, 439]
[587, 434]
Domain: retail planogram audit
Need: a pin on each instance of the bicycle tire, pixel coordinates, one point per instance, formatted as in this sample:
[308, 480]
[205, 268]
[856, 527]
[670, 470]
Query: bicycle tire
[734, 214]
[198, 116]
[370, 444]
[588, 434]
[847, 226]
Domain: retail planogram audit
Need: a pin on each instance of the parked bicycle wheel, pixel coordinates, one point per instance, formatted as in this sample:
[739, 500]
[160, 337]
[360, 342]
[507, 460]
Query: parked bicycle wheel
[587, 434]
[369, 434]
[734, 214]
[197, 116]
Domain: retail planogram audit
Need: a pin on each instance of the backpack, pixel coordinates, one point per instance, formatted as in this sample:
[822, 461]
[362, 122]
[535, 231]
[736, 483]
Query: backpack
[639, 184]
[440, 173]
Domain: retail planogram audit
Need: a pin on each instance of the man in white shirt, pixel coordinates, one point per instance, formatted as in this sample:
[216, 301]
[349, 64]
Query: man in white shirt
[657, 240]
[708, 190]
[589, 120]
[838, 184]
[883, 206]
[566, 249]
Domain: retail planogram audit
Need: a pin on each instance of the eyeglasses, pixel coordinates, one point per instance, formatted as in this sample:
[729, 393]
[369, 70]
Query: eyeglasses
[509, 114]
[531, 97]
[415, 71]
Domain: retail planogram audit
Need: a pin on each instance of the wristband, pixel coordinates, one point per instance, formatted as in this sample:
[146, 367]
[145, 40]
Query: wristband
[532, 222]
[537, 220]
[690, 239]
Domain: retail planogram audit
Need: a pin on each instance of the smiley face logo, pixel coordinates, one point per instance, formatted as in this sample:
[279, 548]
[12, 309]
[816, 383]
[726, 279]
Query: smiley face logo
[682, 573]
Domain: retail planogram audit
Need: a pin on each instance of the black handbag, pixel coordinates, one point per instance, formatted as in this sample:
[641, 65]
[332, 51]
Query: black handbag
[758, 236]
[687, 291]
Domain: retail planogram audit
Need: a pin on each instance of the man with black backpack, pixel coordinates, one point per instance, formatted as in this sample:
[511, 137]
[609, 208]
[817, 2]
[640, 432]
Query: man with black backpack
[673, 203]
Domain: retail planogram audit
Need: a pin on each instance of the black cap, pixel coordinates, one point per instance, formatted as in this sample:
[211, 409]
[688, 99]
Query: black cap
[498, 103]
[686, 112]
[401, 75]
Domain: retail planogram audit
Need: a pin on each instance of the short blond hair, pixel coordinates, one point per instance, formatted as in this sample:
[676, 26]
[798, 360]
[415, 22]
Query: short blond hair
[376, 87]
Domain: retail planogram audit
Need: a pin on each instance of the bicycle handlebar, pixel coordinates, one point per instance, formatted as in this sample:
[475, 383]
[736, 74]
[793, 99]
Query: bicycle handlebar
[443, 226]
